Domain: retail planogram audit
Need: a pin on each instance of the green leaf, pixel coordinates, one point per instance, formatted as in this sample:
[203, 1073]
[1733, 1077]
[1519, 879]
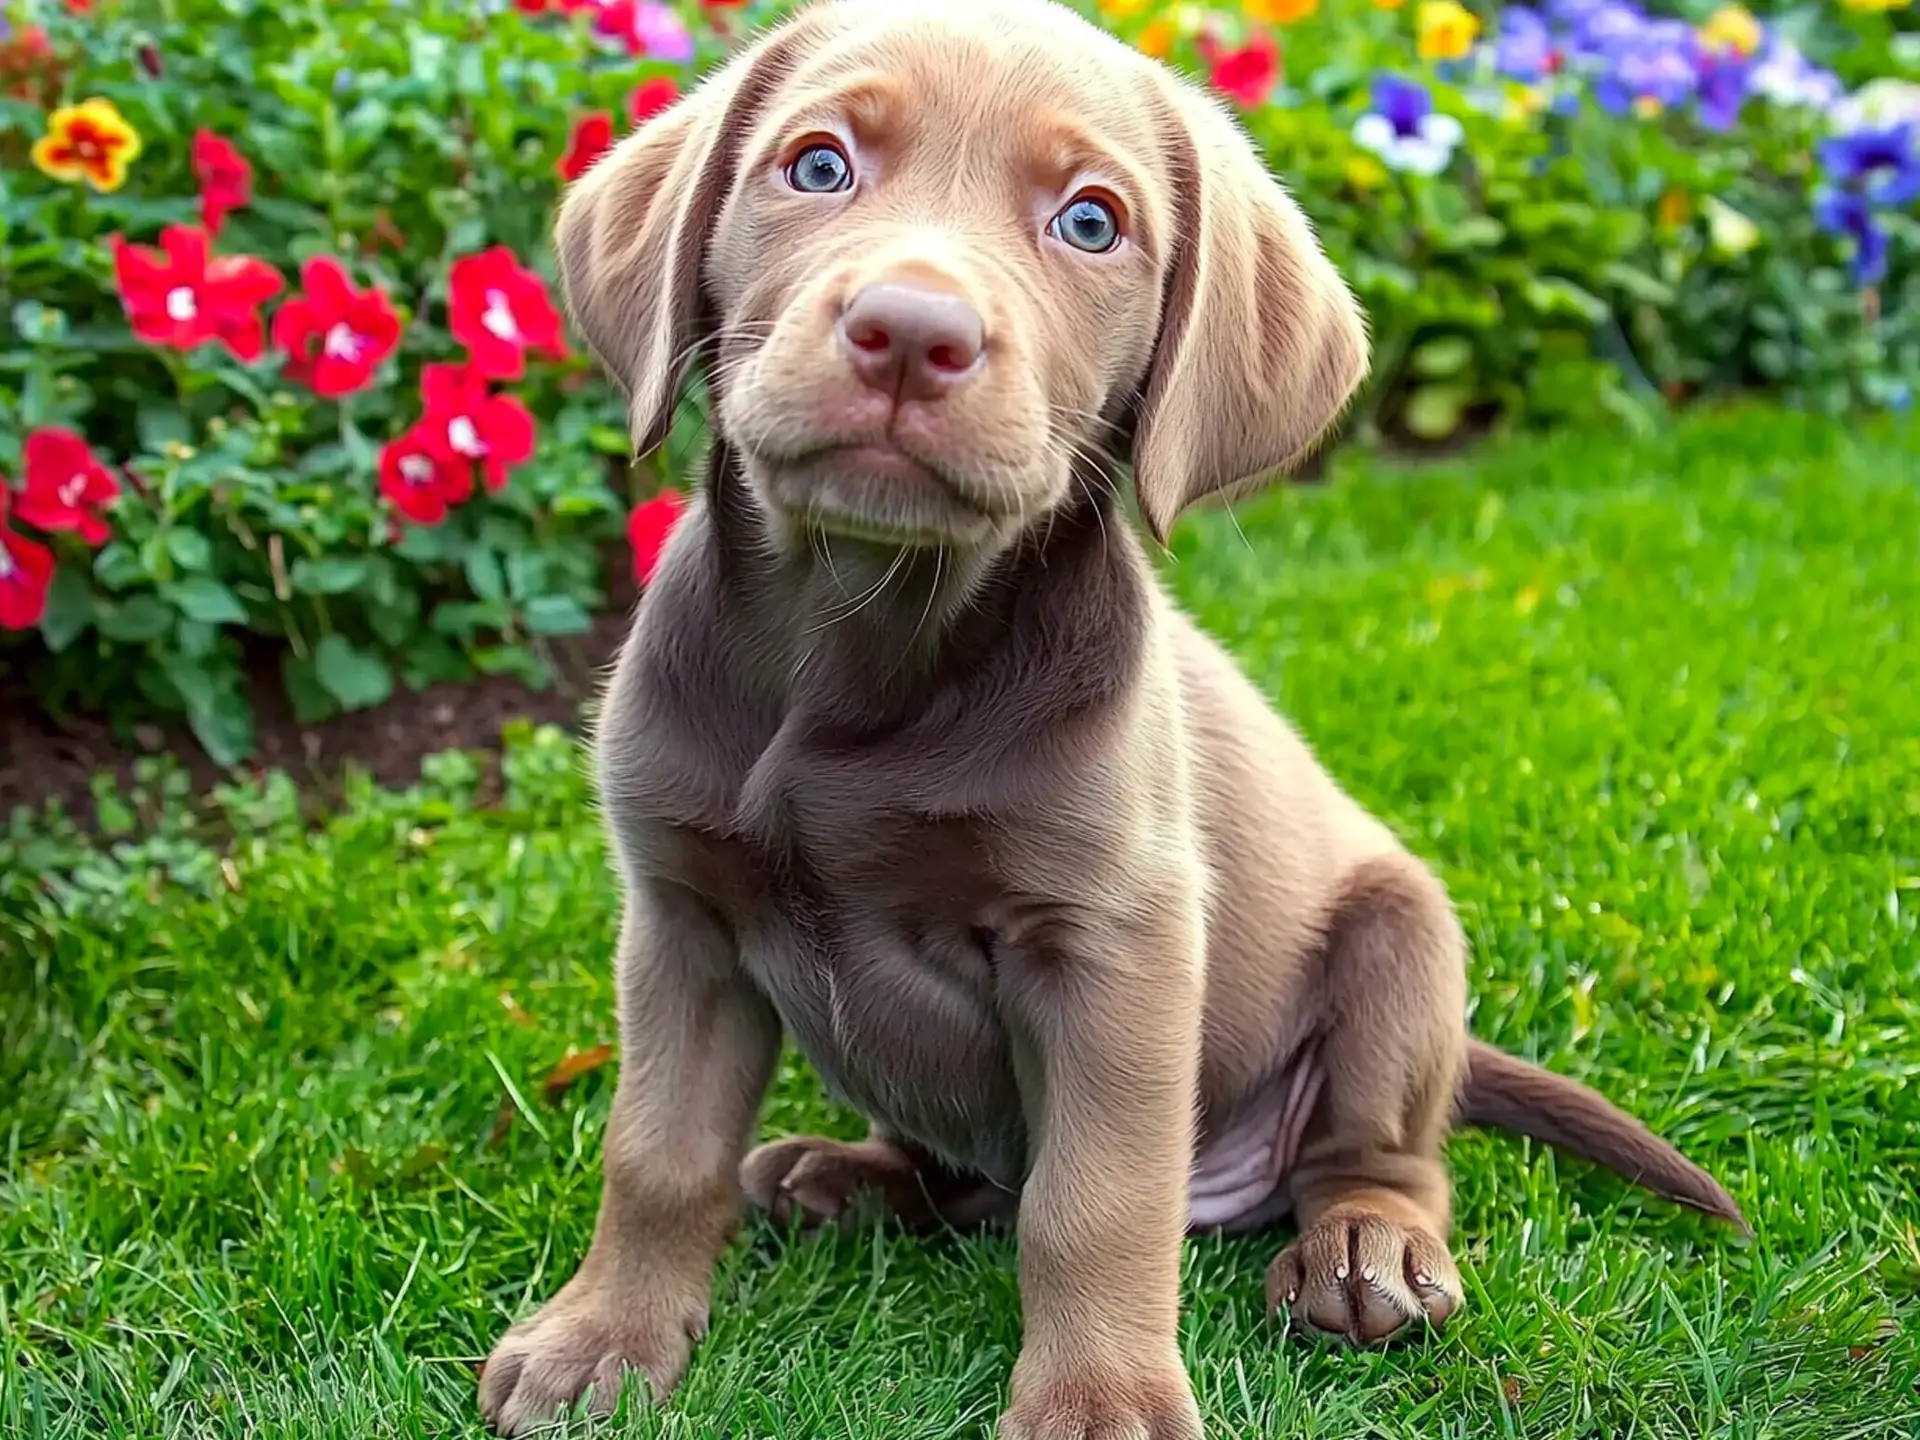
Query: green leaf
[1439, 358]
[217, 709]
[190, 549]
[1433, 411]
[117, 566]
[485, 575]
[555, 615]
[355, 677]
[329, 575]
[203, 598]
[311, 702]
[69, 609]
[140, 618]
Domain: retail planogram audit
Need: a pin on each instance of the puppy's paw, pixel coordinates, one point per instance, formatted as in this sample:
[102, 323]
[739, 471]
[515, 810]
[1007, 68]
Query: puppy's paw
[1142, 1406]
[817, 1180]
[577, 1348]
[1360, 1277]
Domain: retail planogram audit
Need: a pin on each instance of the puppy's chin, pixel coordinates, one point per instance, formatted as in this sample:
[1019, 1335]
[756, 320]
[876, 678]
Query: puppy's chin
[879, 494]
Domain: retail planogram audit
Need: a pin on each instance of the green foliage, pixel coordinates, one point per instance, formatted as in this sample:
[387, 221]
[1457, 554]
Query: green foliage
[1567, 264]
[398, 137]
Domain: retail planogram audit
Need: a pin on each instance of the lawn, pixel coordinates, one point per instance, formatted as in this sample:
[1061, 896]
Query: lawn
[282, 1158]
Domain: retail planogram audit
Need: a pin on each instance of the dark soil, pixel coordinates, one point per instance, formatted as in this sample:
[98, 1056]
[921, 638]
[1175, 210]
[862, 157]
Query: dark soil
[45, 757]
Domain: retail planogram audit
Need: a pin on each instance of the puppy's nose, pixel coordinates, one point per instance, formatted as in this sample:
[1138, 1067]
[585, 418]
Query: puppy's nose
[909, 341]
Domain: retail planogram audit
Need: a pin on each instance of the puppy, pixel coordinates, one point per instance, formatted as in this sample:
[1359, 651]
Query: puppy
[908, 757]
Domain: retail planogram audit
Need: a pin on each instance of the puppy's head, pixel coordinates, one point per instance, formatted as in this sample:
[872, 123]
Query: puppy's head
[942, 258]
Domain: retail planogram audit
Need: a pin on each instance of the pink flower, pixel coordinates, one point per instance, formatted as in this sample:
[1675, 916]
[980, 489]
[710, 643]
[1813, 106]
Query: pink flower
[335, 335]
[588, 141]
[650, 97]
[422, 482]
[1246, 76]
[648, 527]
[499, 310]
[465, 424]
[66, 485]
[181, 295]
[26, 570]
[226, 179]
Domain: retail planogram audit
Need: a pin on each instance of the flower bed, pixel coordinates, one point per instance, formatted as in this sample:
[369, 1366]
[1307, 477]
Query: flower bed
[285, 382]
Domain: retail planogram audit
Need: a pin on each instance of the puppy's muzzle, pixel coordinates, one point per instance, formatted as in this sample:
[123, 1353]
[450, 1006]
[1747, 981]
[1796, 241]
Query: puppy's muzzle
[910, 342]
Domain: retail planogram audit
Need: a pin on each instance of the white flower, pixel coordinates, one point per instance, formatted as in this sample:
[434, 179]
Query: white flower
[1425, 151]
[1877, 105]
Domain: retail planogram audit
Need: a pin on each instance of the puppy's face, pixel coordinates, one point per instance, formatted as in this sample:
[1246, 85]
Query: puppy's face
[937, 272]
[946, 260]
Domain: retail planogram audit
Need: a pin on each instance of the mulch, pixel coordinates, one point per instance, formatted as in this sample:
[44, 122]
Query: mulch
[54, 757]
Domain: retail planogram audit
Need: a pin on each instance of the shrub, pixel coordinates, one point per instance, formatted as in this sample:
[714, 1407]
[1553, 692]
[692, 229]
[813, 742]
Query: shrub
[285, 383]
[276, 278]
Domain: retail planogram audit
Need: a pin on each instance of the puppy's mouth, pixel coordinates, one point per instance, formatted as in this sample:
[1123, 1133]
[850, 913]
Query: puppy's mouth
[878, 490]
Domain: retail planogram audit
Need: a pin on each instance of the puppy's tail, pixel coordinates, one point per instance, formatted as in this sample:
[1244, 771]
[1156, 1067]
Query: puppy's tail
[1515, 1095]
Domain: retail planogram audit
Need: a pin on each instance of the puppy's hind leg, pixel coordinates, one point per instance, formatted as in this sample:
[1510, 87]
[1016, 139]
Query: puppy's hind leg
[1370, 1187]
[820, 1181]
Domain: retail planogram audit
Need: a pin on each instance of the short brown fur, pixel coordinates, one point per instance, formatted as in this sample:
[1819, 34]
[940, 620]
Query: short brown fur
[909, 758]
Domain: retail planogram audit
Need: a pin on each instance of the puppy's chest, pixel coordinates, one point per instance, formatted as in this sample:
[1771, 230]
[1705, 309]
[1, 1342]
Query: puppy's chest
[862, 925]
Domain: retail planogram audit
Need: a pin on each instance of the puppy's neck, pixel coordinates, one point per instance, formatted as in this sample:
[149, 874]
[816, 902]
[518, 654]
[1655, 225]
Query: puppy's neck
[863, 637]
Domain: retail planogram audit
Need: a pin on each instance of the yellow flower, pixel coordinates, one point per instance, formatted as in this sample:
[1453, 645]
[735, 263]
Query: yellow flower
[1523, 101]
[1732, 27]
[1364, 173]
[91, 141]
[1388, 4]
[1155, 40]
[1279, 12]
[1121, 9]
[1674, 210]
[1446, 29]
[1731, 233]
[1876, 5]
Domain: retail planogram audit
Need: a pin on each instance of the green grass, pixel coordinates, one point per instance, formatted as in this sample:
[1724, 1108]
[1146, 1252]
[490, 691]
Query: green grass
[1652, 707]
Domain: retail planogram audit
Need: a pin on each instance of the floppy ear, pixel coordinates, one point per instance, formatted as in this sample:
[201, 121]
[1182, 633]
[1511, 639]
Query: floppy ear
[632, 232]
[1261, 343]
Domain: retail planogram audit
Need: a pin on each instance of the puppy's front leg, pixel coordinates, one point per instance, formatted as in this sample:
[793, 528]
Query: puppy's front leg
[1107, 1042]
[697, 1048]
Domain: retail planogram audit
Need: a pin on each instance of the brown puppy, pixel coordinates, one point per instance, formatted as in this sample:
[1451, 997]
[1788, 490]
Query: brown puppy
[909, 758]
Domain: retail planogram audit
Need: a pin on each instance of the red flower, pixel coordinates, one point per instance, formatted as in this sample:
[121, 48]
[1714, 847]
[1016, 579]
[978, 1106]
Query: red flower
[79, 7]
[591, 136]
[648, 527]
[178, 295]
[225, 176]
[531, 7]
[335, 336]
[421, 482]
[26, 569]
[465, 423]
[498, 310]
[65, 482]
[650, 97]
[1247, 75]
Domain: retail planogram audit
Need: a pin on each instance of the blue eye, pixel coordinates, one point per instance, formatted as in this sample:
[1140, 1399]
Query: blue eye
[1088, 223]
[820, 170]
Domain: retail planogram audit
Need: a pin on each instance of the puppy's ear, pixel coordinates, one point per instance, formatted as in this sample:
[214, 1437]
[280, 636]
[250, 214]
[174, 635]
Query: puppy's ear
[1261, 343]
[633, 231]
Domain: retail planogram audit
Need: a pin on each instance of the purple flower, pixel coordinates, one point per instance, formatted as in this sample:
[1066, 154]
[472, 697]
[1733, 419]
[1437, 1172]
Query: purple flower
[1725, 78]
[1525, 49]
[1880, 161]
[1404, 130]
[1656, 64]
[1847, 214]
